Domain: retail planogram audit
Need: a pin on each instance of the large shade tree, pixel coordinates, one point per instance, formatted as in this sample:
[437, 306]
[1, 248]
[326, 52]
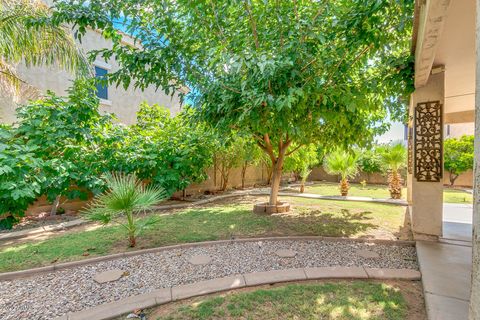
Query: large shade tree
[288, 73]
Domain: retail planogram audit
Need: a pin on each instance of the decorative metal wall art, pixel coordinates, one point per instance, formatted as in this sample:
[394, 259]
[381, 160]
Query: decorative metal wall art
[428, 141]
[410, 151]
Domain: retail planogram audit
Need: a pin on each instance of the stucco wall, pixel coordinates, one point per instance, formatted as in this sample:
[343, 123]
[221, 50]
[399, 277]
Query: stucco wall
[124, 103]
[456, 130]
[463, 180]
[255, 175]
[319, 174]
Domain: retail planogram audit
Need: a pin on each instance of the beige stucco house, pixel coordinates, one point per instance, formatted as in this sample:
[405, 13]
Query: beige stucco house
[123, 103]
[446, 45]
[444, 49]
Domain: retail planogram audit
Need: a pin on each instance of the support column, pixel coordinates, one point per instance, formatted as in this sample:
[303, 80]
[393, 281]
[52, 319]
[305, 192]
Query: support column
[425, 172]
[474, 310]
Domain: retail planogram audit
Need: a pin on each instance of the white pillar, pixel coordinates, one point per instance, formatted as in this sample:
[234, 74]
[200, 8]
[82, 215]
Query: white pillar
[426, 197]
[474, 312]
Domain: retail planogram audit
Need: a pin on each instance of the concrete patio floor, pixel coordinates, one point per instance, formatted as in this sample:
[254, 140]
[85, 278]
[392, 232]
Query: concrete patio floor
[446, 266]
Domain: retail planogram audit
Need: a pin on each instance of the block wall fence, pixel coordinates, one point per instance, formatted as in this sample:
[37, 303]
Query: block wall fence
[255, 176]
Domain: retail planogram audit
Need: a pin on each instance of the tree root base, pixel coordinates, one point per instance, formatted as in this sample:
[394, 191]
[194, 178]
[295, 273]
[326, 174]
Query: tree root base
[265, 208]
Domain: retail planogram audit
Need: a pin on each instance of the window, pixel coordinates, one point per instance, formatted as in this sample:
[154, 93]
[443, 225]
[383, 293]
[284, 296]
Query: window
[102, 88]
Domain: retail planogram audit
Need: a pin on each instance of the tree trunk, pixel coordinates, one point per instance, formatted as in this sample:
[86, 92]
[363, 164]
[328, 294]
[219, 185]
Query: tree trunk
[344, 186]
[225, 173]
[277, 162]
[132, 241]
[302, 187]
[395, 185]
[276, 178]
[244, 172]
[452, 177]
[55, 205]
[269, 178]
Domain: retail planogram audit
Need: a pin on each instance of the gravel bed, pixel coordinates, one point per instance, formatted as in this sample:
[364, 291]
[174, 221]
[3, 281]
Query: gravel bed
[46, 296]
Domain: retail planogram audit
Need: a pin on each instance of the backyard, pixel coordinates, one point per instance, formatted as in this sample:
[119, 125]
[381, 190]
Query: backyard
[173, 177]
[217, 221]
[375, 191]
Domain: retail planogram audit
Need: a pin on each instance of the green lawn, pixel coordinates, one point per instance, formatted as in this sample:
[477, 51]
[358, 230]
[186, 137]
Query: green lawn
[339, 300]
[457, 196]
[381, 192]
[219, 221]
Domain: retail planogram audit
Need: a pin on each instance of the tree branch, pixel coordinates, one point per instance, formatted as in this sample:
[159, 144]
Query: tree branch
[294, 149]
[253, 24]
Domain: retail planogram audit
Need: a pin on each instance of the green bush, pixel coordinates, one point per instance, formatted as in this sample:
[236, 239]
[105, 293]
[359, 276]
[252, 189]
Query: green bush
[458, 156]
[61, 146]
[170, 152]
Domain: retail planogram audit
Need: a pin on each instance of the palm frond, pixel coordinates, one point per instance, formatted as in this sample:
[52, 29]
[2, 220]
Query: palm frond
[22, 40]
[394, 156]
[342, 163]
[125, 194]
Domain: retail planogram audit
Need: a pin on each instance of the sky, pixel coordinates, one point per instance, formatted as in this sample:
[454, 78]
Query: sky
[395, 133]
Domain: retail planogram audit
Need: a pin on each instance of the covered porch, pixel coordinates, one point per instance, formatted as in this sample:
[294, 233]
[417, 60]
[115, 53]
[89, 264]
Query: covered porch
[444, 46]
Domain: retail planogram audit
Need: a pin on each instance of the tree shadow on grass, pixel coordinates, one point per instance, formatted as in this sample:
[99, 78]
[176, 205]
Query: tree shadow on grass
[318, 223]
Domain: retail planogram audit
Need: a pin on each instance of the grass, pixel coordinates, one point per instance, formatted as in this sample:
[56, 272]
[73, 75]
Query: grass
[457, 196]
[338, 300]
[377, 191]
[220, 221]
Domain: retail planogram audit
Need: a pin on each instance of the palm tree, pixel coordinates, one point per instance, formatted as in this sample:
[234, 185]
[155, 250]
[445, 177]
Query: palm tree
[22, 40]
[344, 164]
[394, 157]
[126, 196]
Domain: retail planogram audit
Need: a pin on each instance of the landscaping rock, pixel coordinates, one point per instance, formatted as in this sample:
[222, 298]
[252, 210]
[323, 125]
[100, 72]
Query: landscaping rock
[54, 294]
[200, 259]
[285, 253]
[367, 254]
[108, 276]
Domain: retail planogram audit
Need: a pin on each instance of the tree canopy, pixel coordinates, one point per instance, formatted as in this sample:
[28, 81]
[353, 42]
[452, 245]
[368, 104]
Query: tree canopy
[458, 156]
[285, 72]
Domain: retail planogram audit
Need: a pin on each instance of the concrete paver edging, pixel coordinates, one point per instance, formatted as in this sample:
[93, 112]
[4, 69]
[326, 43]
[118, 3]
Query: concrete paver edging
[60, 266]
[166, 295]
[77, 222]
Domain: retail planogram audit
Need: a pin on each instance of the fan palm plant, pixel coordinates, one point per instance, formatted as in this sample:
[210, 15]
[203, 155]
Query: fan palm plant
[304, 173]
[126, 197]
[394, 158]
[33, 43]
[344, 164]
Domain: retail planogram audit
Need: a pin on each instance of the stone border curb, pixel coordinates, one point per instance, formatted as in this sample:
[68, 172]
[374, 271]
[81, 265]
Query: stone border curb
[65, 265]
[166, 295]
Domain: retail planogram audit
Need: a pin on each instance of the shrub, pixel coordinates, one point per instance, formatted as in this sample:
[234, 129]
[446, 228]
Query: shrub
[458, 156]
[21, 177]
[344, 164]
[61, 146]
[170, 152]
[394, 158]
[126, 197]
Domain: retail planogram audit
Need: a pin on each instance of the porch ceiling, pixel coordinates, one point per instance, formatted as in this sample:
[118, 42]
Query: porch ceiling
[446, 37]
